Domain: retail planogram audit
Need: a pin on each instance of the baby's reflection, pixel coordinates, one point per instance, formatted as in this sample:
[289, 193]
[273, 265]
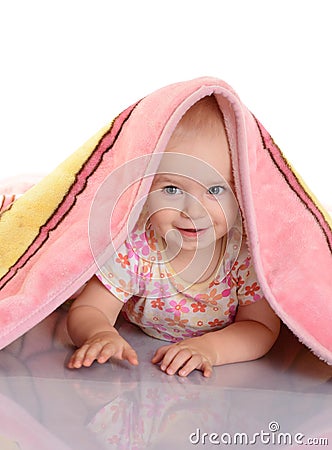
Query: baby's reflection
[125, 407]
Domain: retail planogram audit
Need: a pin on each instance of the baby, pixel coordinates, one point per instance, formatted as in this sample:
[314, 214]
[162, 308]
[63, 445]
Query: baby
[184, 273]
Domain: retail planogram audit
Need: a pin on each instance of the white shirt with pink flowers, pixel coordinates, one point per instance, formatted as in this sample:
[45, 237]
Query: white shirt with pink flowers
[165, 306]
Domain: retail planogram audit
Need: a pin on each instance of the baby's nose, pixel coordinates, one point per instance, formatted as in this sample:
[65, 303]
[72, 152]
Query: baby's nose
[193, 207]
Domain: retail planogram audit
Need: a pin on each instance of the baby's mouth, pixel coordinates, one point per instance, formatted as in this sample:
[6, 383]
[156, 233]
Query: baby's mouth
[191, 232]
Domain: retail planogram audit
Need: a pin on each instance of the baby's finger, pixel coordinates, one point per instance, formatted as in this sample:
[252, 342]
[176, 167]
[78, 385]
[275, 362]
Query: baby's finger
[174, 359]
[160, 353]
[206, 369]
[195, 362]
[72, 363]
[106, 352]
[76, 361]
[167, 356]
[92, 353]
[130, 355]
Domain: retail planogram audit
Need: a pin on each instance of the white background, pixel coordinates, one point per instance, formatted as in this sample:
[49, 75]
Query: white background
[67, 67]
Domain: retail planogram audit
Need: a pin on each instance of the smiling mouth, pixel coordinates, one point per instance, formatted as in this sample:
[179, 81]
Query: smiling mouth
[191, 232]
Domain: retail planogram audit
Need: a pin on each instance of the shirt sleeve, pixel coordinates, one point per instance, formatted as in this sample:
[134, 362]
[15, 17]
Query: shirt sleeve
[119, 273]
[249, 290]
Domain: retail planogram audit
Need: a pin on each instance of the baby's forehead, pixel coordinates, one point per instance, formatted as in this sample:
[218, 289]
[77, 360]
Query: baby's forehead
[178, 166]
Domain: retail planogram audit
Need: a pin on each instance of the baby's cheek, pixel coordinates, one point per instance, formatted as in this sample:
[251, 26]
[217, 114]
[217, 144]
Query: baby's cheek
[230, 209]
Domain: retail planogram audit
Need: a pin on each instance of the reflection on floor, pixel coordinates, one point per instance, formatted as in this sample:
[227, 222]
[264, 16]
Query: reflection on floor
[283, 398]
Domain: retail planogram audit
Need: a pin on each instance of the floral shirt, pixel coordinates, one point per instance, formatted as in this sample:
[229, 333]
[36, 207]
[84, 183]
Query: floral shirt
[166, 307]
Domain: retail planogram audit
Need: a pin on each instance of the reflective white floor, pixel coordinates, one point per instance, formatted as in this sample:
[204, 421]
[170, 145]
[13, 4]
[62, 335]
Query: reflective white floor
[283, 399]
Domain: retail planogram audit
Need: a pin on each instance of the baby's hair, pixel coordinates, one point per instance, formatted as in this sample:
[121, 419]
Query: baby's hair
[203, 115]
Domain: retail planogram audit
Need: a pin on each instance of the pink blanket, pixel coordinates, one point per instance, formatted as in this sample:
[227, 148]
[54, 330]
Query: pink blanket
[55, 235]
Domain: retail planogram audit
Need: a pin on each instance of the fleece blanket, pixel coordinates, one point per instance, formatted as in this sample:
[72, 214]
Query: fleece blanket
[54, 237]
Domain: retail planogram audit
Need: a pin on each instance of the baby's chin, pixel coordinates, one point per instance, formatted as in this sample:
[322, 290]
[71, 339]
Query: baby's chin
[190, 240]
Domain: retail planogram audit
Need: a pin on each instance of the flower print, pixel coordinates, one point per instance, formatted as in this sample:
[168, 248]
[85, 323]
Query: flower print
[134, 271]
[146, 243]
[123, 260]
[230, 280]
[251, 290]
[231, 302]
[178, 308]
[125, 288]
[151, 241]
[131, 250]
[245, 264]
[137, 316]
[229, 265]
[226, 292]
[160, 327]
[144, 278]
[172, 397]
[200, 323]
[118, 411]
[232, 307]
[130, 307]
[156, 326]
[144, 274]
[157, 303]
[231, 312]
[212, 297]
[176, 322]
[216, 323]
[151, 409]
[170, 338]
[142, 246]
[142, 288]
[239, 281]
[215, 282]
[162, 290]
[248, 302]
[191, 333]
[132, 311]
[198, 307]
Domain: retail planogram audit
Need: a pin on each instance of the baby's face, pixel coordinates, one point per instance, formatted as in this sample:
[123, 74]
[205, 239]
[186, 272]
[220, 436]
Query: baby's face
[191, 202]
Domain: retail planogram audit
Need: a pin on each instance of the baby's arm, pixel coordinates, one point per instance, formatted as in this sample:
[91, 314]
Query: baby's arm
[251, 336]
[90, 325]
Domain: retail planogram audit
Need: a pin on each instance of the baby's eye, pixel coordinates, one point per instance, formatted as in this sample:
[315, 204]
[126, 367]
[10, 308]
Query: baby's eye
[171, 190]
[216, 190]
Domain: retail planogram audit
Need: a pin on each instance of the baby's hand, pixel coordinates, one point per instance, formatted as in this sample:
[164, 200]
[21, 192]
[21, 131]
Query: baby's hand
[101, 347]
[184, 357]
